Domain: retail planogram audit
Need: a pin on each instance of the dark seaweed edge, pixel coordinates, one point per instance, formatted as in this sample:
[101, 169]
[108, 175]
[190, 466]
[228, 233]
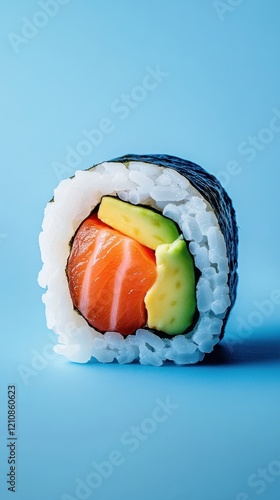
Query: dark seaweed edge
[211, 189]
[214, 193]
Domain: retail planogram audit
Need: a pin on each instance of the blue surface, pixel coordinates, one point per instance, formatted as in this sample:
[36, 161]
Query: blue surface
[213, 99]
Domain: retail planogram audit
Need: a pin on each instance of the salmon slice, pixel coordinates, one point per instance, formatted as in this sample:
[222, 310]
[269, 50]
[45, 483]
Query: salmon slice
[109, 275]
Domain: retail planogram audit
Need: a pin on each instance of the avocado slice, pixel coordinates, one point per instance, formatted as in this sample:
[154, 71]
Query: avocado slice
[143, 224]
[171, 301]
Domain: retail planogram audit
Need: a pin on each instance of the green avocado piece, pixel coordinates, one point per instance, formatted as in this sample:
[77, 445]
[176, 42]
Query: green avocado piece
[171, 301]
[140, 223]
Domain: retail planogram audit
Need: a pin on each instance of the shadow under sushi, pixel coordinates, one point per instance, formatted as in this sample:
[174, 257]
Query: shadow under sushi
[249, 351]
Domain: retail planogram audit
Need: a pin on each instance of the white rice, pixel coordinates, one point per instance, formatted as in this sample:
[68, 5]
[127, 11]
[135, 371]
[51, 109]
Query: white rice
[163, 189]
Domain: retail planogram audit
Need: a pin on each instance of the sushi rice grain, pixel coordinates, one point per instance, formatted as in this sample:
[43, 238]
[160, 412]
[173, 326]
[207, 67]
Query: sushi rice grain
[184, 192]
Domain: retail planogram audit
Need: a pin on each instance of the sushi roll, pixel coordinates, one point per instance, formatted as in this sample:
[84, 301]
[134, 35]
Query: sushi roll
[139, 261]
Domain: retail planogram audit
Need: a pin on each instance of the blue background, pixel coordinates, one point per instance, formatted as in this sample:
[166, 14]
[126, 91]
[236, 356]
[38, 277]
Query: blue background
[220, 87]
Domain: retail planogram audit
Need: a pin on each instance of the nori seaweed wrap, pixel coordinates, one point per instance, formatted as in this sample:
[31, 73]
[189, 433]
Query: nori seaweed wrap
[206, 234]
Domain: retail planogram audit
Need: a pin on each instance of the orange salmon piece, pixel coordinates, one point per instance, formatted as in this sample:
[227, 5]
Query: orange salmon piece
[109, 275]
